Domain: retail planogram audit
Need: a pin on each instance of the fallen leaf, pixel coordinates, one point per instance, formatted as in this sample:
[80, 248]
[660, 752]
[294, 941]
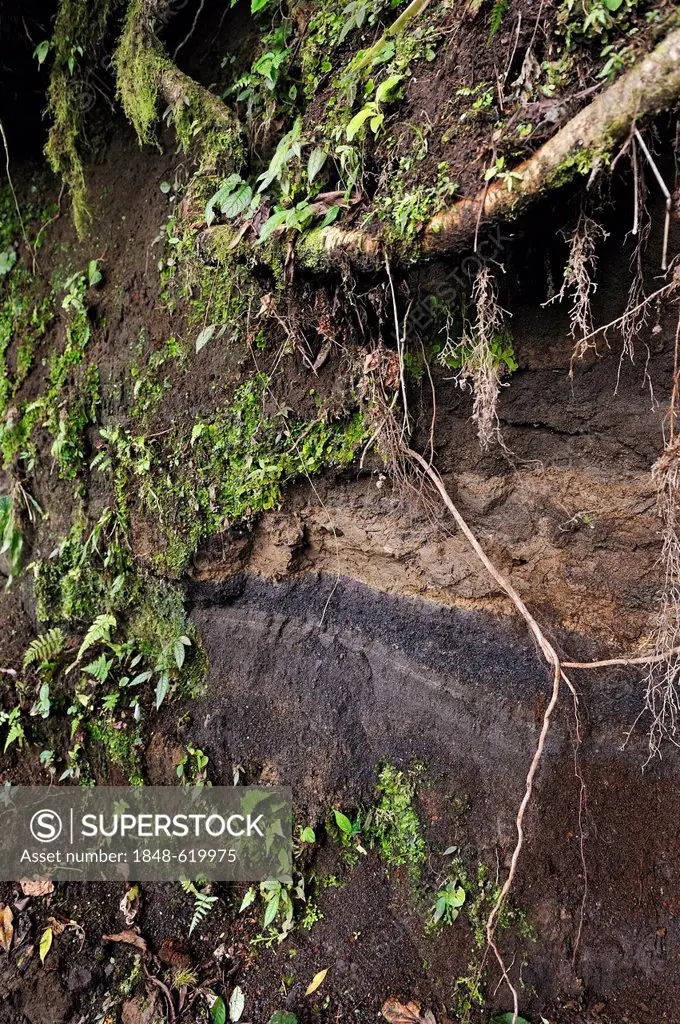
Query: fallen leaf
[36, 888]
[322, 356]
[6, 928]
[57, 927]
[237, 1004]
[173, 952]
[129, 905]
[316, 981]
[45, 943]
[410, 1013]
[129, 937]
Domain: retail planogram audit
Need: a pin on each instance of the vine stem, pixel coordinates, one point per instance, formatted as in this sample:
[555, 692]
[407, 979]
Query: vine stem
[415, 8]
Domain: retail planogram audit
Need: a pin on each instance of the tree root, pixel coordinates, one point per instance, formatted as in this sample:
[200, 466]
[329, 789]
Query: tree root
[553, 659]
[364, 58]
[584, 145]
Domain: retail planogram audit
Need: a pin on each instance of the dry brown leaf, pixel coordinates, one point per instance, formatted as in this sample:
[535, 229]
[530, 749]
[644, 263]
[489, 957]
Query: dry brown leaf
[58, 927]
[410, 1013]
[129, 904]
[36, 888]
[6, 928]
[129, 937]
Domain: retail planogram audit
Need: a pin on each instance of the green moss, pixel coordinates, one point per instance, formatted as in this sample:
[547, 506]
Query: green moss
[69, 424]
[123, 747]
[393, 824]
[578, 162]
[74, 585]
[148, 384]
[155, 625]
[78, 30]
[139, 61]
[226, 470]
[25, 313]
[65, 413]
[142, 67]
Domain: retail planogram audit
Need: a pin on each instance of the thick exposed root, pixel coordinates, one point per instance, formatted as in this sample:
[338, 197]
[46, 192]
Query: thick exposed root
[585, 144]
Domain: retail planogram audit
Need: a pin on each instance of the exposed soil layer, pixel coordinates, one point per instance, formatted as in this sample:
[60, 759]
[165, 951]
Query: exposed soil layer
[321, 703]
[352, 626]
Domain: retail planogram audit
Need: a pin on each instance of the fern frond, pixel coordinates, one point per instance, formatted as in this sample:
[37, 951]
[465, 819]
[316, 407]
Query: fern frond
[202, 908]
[498, 12]
[45, 648]
[99, 631]
[203, 903]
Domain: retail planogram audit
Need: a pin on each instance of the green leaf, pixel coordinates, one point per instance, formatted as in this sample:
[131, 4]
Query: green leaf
[507, 1018]
[248, 899]
[317, 158]
[7, 260]
[162, 687]
[387, 90]
[237, 1004]
[45, 943]
[331, 216]
[257, 5]
[274, 222]
[179, 652]
[457, 897]
[308, 835]
[376, 123]
[219, 1011]
[41, 51]
[281, 1017]
[343, 822]
[165, 187]
[205, 336]
[613, 5]
[236, 203]
[271, 910]
[358, 121]
[94, 274]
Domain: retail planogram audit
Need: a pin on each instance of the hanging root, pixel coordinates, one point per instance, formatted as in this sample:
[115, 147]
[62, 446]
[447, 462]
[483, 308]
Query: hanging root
[579, 283]
[662, 693]
[78, 32]
[637, 310]
[478, 352]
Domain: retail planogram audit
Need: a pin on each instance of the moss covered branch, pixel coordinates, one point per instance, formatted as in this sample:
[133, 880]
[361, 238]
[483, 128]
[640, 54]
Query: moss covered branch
[145, 75]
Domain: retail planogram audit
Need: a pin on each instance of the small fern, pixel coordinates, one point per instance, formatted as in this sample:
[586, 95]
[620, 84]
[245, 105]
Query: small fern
[498, 12]
[45, 648]
[15, 728]
[203, 903]
[99, 632]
